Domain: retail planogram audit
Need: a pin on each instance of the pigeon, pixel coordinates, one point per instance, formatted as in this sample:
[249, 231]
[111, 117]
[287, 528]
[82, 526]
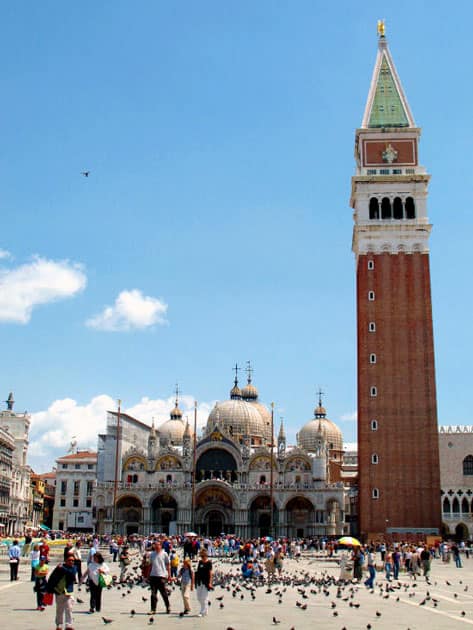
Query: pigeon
[463, 613]
[106, 621]
[79, 601]
[85, 173]
[276, 621]
[378, 614]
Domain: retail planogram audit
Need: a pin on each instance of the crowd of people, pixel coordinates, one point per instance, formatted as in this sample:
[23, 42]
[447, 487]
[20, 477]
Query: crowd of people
[187, 561]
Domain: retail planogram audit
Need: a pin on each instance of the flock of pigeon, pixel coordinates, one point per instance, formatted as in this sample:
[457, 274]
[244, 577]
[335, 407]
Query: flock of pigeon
[321, 594]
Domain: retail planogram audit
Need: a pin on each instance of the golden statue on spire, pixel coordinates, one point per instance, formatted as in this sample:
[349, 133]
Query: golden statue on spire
[381, 28]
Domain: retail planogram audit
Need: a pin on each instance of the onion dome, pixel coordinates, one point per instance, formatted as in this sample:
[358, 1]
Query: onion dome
[249, 392]
[235, 392]
[173, 429]
[320, 425]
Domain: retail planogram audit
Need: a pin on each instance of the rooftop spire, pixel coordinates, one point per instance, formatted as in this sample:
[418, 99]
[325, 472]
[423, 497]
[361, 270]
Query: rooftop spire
[387, 104]
[249, 371]
[235, 392]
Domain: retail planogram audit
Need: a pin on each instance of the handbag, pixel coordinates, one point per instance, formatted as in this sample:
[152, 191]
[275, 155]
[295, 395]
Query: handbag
[48, 599]
[105, 580]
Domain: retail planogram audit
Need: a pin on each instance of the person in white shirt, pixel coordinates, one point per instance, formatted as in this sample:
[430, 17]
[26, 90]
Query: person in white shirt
[160, 575]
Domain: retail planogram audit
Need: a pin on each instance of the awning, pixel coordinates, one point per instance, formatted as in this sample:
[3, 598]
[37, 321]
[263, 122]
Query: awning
[42, 526]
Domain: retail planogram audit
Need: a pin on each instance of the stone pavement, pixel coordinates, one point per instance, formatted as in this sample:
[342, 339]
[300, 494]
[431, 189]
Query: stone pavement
[451, 589]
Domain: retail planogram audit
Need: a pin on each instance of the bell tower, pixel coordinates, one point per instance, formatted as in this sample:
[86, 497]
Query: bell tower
[398, 456]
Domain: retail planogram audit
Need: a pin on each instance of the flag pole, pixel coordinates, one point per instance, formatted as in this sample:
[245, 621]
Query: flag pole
[115, 482]
[194, 460]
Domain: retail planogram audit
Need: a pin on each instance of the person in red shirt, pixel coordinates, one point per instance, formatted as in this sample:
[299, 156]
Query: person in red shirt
[44, 549]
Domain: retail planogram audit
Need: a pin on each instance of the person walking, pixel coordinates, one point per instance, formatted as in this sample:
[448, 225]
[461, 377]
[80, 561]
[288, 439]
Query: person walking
[388, 563]
[34, 558]
[187, 585]
[425, 559]
[203, 581]
[61, 583]
[124, 561]
[456, 556]
[95, 570]
[76, 552]
[41, 582]
[160, 575]
[369, 583]
[14, 553]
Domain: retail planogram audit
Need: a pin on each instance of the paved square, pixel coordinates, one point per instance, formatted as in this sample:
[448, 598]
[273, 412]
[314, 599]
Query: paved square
[446, 603]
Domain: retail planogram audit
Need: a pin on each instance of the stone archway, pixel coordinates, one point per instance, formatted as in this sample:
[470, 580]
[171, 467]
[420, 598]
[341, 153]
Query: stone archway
[461, 532]
[216, 463]
[163, 513]
[299, 517]
[214, 511]
[129, 515]
[260, 517]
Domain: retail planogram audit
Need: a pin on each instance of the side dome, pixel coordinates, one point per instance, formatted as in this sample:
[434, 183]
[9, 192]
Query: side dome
[249, 392]
[238, 418]
[310, 433]
[173, 430]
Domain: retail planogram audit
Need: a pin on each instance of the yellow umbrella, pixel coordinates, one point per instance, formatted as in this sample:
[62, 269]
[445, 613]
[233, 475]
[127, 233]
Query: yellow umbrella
[349, 540]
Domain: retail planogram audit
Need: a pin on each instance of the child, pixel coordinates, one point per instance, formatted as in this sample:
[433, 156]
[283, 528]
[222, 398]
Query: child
[187, 585]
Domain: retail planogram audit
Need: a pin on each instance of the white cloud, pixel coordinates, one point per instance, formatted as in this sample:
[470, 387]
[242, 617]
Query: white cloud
[35, 283]
[351, 416]
[132, 310]
[53, 429]
[4, 254]
[350, 446]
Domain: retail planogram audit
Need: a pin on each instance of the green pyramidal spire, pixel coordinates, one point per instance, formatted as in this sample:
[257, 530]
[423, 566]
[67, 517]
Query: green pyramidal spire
[387, 109]
[387, 105]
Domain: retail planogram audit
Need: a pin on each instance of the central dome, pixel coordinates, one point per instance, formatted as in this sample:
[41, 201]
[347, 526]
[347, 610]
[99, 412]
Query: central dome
[238, 418]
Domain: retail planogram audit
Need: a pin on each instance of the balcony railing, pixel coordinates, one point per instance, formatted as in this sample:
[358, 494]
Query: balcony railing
[108, 485]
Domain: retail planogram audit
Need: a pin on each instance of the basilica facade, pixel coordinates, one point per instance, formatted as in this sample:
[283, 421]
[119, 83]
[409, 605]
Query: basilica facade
[233, 478]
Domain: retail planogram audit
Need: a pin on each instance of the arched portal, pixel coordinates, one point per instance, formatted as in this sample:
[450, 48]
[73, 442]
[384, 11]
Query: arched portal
[163, 512]
[216, 463]
[461, 532]
[214, 511]
[129, 515]
[260, 517]
[299, 517]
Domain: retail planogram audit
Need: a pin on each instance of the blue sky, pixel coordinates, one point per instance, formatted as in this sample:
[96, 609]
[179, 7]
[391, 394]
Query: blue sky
[215, 224]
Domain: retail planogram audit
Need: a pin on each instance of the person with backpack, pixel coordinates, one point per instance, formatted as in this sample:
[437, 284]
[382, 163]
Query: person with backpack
[61, 583]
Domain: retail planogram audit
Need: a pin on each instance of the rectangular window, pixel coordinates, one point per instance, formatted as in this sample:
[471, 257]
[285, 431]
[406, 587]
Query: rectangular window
[90, 466]
[63, 487]
[371, 296]
[410, 171]
[372, 327]
[372, 358]
[88, 503]
[64, 466]
[397, 171]
[370, 265]
[371, 171]
[90, 488]
[384, 171]
[62, 502]
[76, 487]
[75, 503]
[80, 519]
[77, 466]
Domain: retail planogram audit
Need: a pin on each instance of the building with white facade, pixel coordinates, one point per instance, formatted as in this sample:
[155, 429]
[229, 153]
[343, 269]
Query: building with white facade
[21, 497]
[75, 483]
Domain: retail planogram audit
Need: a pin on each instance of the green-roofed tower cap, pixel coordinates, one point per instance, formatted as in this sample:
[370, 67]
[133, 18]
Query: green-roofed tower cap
[387, 105]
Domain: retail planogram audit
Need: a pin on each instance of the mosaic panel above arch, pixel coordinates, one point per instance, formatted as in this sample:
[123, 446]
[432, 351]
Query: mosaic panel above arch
[168, 462]
[298, 464]
[134, 463]
[215, 496]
